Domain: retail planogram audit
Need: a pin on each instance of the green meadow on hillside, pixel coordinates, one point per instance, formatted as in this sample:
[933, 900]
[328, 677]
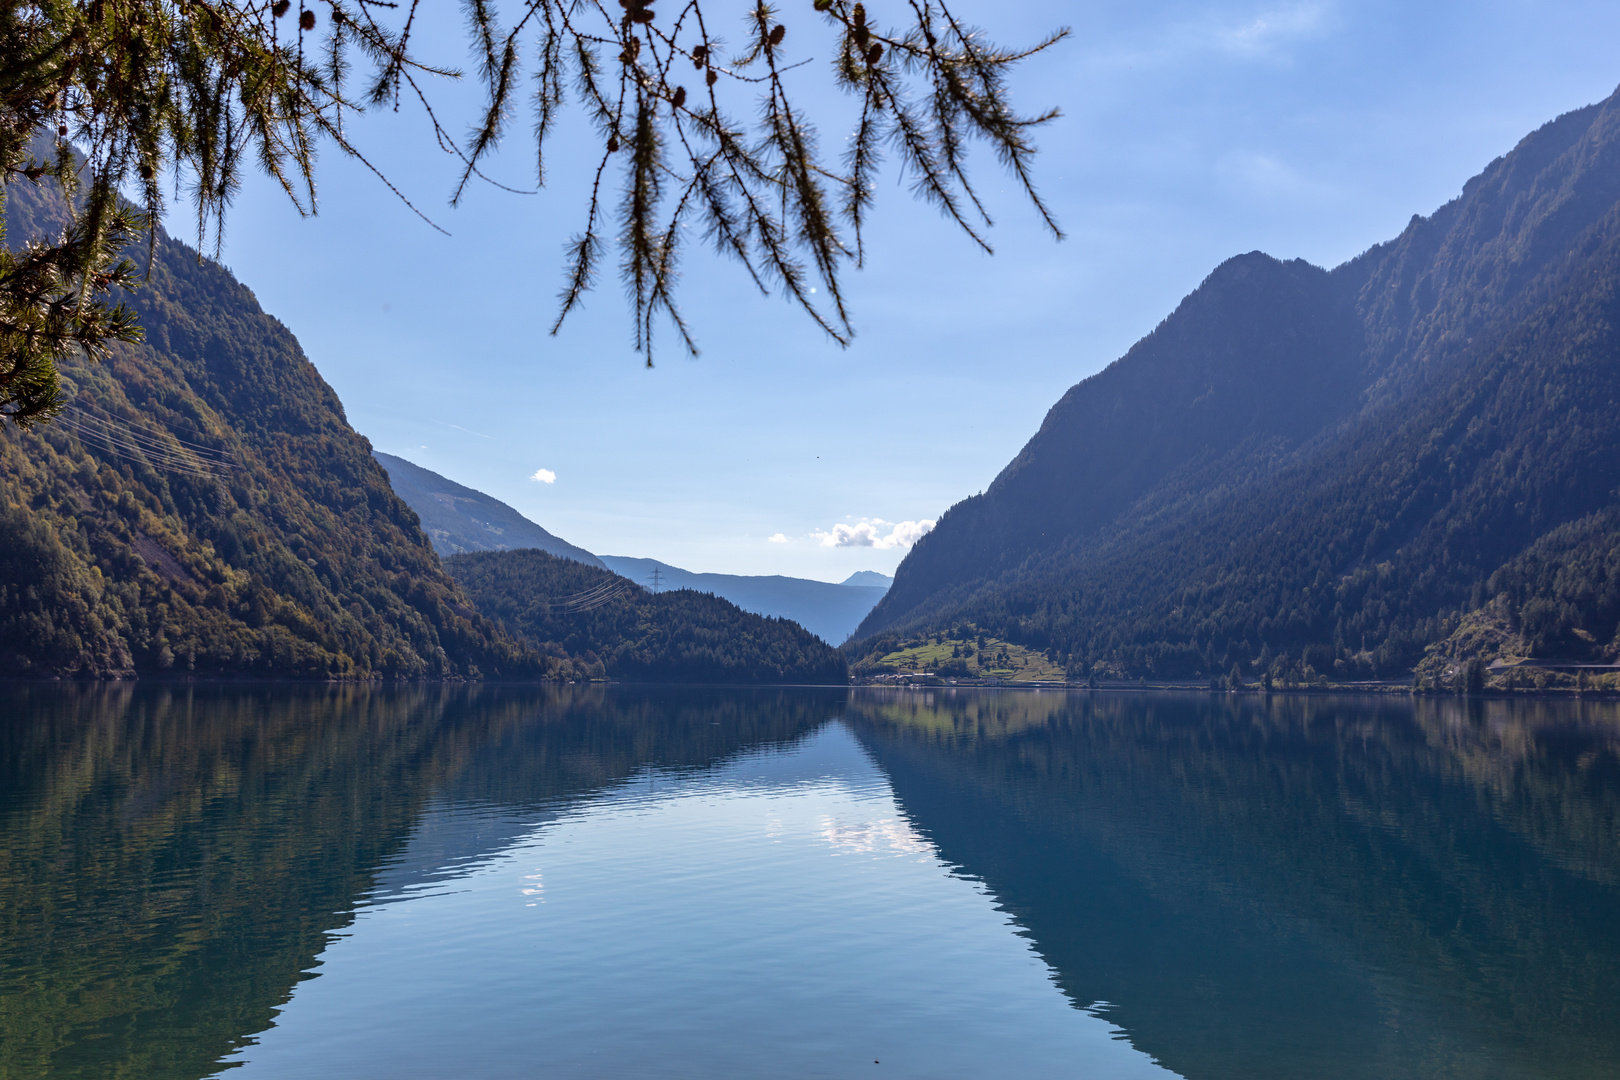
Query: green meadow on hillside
[965, 657]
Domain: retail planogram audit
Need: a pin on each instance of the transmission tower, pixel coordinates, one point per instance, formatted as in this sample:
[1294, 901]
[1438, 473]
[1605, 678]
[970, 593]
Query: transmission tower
[657, 579]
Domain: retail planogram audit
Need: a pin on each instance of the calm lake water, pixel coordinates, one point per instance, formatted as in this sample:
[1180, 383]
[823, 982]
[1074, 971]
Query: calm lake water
[279, 881]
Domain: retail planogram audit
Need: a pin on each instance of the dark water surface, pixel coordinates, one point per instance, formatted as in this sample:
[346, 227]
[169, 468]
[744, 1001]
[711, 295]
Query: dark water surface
[282, 881]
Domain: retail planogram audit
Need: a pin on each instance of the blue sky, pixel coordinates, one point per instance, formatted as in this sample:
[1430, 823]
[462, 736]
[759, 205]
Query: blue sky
[1192, 132]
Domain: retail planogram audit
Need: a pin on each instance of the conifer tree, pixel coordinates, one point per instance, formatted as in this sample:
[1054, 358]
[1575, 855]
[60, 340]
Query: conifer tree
[135, 95]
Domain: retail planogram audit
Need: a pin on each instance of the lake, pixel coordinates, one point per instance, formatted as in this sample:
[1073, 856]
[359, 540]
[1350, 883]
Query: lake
[279, 881]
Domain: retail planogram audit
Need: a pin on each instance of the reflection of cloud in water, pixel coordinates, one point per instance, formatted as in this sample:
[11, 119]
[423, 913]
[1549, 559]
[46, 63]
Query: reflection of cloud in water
[892, 836]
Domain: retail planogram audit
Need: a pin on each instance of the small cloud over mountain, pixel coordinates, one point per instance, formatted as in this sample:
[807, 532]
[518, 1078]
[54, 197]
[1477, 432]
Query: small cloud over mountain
[779, 538]
[545, 476]
[868, 532]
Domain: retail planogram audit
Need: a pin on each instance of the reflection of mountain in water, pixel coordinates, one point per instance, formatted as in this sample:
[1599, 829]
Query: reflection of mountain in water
[1299, 887]
[172, 861]
[1306, 887]
[448, 842]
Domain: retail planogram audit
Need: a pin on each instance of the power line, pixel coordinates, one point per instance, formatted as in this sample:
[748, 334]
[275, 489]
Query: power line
[591, 598]
[154, 446]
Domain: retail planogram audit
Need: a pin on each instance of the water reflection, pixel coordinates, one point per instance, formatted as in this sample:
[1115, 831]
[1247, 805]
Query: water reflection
[1293, 886]
[773, 916]
[172, 861]
[740, 883]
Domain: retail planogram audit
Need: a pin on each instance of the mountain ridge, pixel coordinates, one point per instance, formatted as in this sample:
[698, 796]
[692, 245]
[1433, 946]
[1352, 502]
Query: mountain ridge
[461, 520]
[830, 611]
[1118, 545]
[203, 508]
[489, 525]
[613, 628]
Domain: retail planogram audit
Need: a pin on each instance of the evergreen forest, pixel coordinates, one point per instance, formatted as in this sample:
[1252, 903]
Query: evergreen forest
[1329, 474]
[203, 508]
[618, 630]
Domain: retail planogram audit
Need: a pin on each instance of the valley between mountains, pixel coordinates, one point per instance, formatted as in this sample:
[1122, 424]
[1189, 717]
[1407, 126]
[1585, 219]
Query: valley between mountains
[1404, 469]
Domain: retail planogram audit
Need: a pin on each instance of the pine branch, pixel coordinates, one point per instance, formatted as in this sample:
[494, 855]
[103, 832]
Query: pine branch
[153, 90]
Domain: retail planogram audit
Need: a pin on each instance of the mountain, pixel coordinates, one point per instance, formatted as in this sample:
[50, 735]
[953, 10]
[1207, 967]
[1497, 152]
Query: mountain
[869, 577]
[204, 508]
[613, 627]
[459, 519]
[1329, 471]
[829, 611]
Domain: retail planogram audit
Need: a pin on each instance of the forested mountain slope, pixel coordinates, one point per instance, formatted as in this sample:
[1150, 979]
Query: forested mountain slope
[1328, 468]
[458, 519]
[203, 507]
[611, 626]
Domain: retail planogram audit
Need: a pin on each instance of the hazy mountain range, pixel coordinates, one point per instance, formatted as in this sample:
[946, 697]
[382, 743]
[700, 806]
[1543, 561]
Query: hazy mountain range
[459, 520]
[831, 612]
[203, 508]
[1338, 468]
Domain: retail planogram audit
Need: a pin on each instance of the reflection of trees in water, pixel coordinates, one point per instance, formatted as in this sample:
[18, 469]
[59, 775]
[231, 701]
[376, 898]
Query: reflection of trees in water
[1299, 886]
[960, 714]
[172, 860]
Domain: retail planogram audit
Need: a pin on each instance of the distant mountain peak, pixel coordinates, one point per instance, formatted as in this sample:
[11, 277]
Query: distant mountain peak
[868, 578]
[460, 519]
[827, 610]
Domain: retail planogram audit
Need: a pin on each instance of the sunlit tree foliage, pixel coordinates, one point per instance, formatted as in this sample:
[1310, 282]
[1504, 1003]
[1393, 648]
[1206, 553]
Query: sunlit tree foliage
[136, 95]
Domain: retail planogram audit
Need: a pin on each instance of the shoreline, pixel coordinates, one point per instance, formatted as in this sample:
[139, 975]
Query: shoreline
[1364, 689]
[1391, 689]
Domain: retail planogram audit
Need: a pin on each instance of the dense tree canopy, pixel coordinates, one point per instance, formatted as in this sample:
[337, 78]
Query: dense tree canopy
[192, 93]
[620, 631]
[203, 508]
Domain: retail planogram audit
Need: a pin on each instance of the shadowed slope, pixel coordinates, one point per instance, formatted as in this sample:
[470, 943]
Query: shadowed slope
[1323, 468]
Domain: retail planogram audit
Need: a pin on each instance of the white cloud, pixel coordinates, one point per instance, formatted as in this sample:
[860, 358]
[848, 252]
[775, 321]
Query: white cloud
[779, 538]
[907, 533]
[545, 476]
[868, 532]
